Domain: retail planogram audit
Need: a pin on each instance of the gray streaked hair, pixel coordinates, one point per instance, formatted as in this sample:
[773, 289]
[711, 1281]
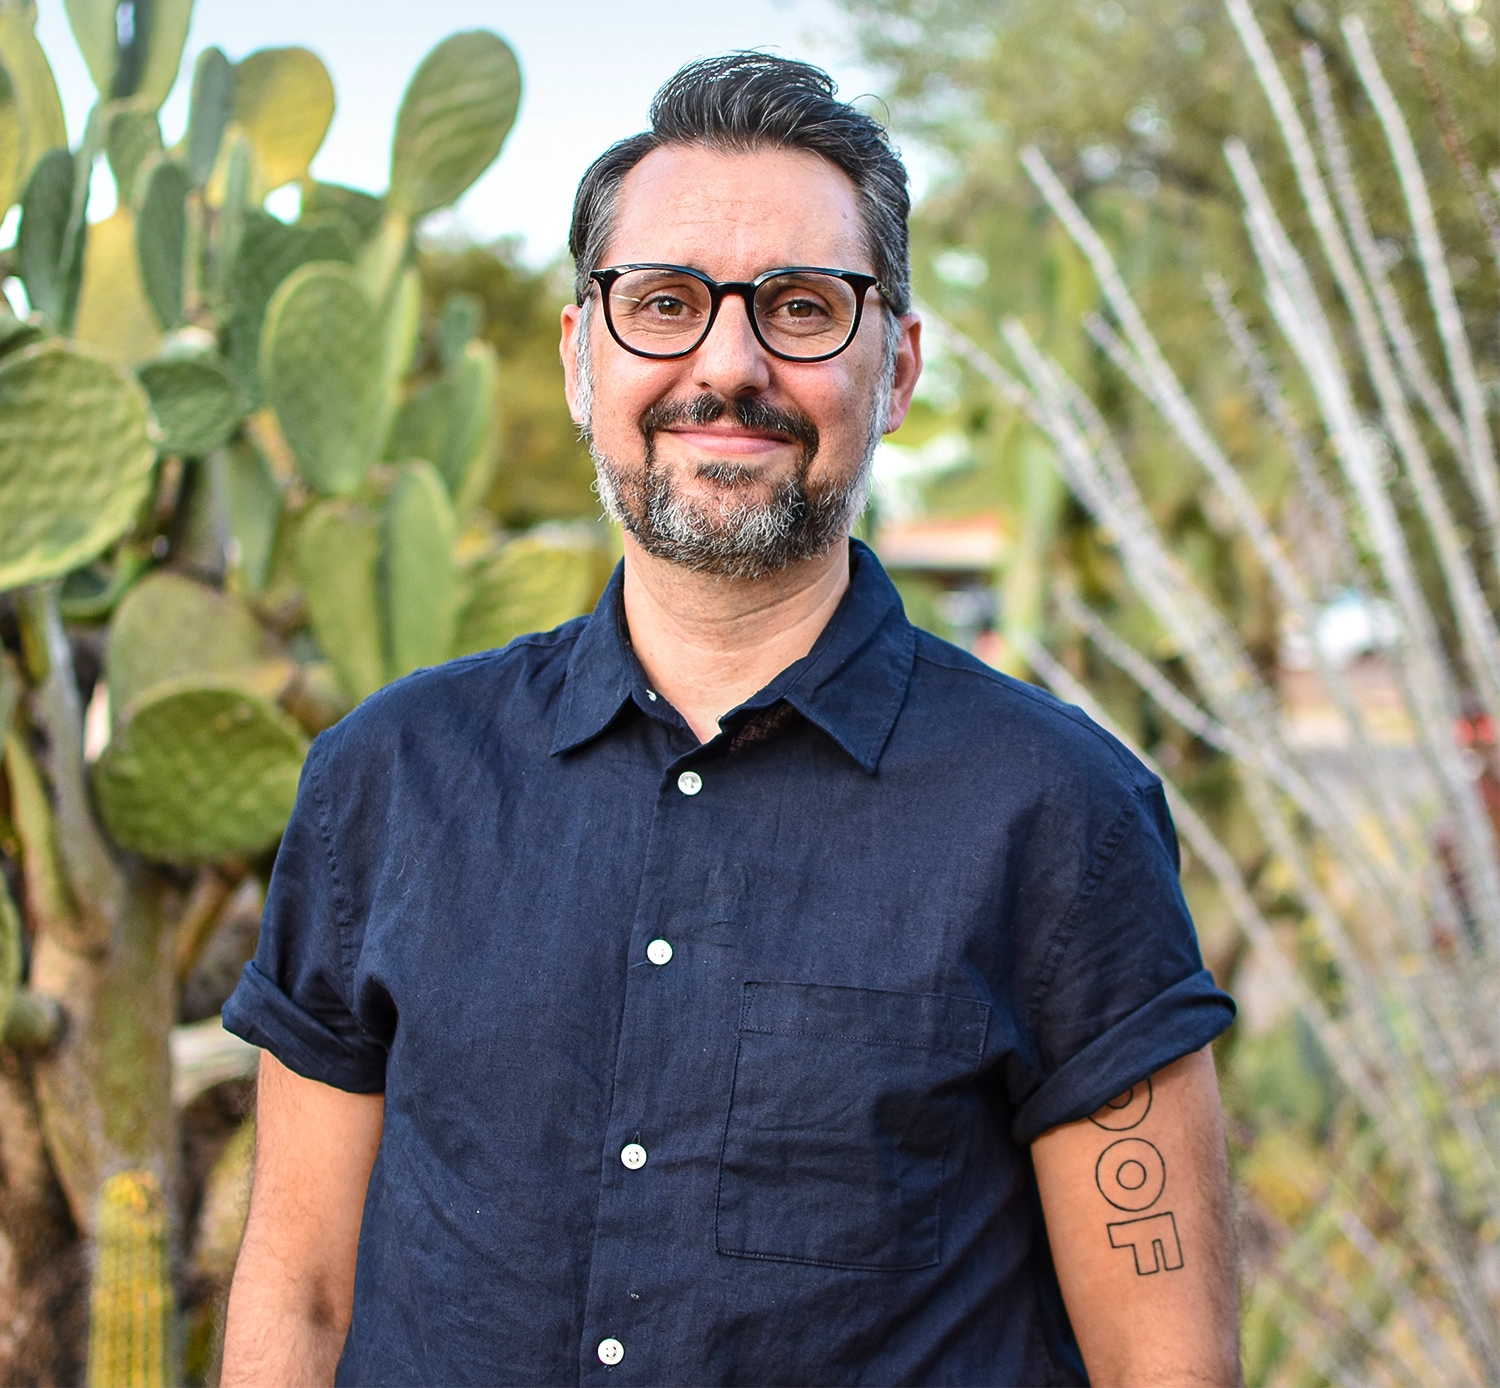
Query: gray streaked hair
[742, 102]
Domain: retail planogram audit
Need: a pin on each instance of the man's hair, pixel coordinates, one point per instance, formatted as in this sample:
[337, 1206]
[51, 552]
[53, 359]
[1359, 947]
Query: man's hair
[742, 102]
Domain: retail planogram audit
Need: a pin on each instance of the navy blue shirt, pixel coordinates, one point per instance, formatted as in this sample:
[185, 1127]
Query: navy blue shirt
[729, 1054]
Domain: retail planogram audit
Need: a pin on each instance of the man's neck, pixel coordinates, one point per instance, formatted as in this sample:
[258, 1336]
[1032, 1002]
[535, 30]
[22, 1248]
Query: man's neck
[707, 644]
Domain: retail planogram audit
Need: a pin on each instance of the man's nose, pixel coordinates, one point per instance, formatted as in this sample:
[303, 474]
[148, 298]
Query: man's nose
[730, 361]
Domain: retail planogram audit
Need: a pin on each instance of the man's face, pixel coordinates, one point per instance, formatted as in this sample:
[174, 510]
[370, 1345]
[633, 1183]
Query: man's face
[730, 460]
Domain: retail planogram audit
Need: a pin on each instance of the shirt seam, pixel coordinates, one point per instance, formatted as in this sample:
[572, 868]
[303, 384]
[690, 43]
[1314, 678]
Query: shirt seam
[1020, 689]
[975, 1052]
[1103, 856]
[343, 902]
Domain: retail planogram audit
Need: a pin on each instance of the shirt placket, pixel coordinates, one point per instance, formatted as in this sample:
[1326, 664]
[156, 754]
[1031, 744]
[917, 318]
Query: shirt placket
[659, 1159]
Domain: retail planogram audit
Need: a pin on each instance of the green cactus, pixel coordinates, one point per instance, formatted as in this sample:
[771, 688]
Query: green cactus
[168, 627]
[75, 460]
[454, 117]
[273, 514]
[195, 403]
[416, 572]
[161, 240]
[198, 769]
[320, 375]
[131, 1302]
[338, 555]
[253, 498]
[528, 585]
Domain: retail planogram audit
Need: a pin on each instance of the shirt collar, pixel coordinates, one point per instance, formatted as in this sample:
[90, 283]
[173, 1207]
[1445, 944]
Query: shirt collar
[851, 684]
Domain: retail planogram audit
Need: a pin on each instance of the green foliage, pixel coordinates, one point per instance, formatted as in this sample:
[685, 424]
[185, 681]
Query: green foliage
[31, 114]
[131, 1302]
[456, 113]
[320, 375]
[283, 105]
[449, 423]
[417, 581]
[10, 953]
[51, 260]
[338, 554]
[195, 403]
[267, 252]
[161, 240]
[253, 500]
[168, 627]
[199, 769]
[225, 522]
[142, 67]
[75, 460]
[530, 584]
[209, 113]
[547, 473]
[131, 138]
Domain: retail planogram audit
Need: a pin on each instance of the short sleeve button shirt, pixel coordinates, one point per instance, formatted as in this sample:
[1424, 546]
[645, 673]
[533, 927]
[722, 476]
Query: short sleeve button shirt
[720, 1063]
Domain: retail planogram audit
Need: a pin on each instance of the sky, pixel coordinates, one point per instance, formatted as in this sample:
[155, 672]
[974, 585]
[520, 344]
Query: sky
[589, 69]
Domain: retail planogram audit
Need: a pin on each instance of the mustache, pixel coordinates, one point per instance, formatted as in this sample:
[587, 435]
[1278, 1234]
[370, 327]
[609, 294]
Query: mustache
[749, 412]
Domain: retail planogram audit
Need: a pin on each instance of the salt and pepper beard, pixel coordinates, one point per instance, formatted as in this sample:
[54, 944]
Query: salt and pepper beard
[730, 535]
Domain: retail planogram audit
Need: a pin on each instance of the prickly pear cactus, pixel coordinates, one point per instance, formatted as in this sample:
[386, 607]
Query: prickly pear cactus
[75, 460]
[237, 467]
[131, 1302]
[198, 770]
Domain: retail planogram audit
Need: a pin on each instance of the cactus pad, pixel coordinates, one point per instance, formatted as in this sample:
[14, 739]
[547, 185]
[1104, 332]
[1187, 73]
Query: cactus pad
[198, 770]
[457, 110]
[321, 375]
[75, 460]
[208, 112]
[338, 548]
[161, 239]
[39, 125]
[530, 585]
[416, 571]
[114, 316]
[254, 501]
[194, 401]
[168, 627]
[268, 252]
[283, 101]
[130, 1297]
[46, 208]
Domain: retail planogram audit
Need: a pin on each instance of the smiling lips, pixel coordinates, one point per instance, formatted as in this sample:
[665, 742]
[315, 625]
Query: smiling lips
[738, 443]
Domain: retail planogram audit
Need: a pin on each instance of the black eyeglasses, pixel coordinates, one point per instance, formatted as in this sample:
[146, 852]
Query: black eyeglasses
[802, 313]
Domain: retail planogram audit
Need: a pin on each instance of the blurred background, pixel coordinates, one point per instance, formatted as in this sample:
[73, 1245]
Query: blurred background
[1205, 444]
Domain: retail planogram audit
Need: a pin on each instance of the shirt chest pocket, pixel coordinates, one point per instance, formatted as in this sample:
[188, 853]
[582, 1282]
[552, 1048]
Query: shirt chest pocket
[839, 1123]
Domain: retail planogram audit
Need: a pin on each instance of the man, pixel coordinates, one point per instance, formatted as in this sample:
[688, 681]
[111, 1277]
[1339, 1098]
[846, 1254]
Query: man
[718, 989]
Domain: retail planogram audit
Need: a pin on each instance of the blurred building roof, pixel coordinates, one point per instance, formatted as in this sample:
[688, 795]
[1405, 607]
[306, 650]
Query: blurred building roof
[958, 544]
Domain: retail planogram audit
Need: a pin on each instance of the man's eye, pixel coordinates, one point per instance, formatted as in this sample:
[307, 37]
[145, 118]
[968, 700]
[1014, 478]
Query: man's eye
[665, 306]
[801, 310]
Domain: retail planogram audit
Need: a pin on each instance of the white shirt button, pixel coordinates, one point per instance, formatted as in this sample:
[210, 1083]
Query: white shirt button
[611, 1351]
[633, 1156]
[651, 694]
[659, 952]
[690, 783]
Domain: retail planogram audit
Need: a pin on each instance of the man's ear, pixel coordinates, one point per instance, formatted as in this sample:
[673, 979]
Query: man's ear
[567, 349]
[908, 369]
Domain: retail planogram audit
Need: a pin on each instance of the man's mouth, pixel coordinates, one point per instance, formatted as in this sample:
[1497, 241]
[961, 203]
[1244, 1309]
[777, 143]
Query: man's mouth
[745, 428]
[730, 442]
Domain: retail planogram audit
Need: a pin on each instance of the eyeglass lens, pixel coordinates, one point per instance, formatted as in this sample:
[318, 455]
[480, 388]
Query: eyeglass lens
[801, 314]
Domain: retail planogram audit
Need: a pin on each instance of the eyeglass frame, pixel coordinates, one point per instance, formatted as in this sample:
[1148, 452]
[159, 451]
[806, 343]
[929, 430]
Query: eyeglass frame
[859, 282]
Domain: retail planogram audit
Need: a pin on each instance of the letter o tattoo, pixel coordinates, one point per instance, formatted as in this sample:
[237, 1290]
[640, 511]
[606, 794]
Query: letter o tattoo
[1131, 1174]
[1126, 1111]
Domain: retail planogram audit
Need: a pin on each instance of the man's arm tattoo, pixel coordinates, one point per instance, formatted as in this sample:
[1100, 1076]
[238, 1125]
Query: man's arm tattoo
[1131, 1175]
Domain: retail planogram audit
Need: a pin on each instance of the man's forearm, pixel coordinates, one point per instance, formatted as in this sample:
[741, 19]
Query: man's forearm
[277, 1341]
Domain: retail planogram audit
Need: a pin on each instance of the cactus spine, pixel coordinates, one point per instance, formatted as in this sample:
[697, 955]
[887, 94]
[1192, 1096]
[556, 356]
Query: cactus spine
[130, 1299]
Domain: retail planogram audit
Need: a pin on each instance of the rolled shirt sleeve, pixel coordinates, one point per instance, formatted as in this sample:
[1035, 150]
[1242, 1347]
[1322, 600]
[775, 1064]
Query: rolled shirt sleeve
[294, 998]
[1121, 990]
